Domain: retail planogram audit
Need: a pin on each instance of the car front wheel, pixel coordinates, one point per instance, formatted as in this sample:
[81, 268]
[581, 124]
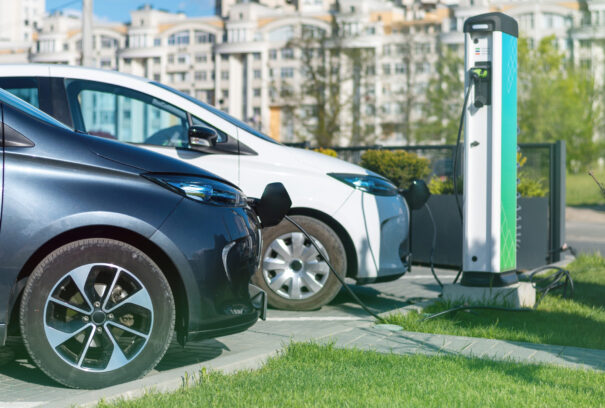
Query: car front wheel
[96, 312]
[292, 272]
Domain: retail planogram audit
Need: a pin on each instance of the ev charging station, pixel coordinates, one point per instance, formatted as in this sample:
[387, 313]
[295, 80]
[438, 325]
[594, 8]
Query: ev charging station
[490, 161]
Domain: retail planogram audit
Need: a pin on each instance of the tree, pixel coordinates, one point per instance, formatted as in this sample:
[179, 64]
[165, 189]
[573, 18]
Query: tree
[443, 104]
[558, 101]
[327, 106]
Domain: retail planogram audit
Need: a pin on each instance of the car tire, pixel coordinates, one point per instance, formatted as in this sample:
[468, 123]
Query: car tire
[292, 273]
[96, 312]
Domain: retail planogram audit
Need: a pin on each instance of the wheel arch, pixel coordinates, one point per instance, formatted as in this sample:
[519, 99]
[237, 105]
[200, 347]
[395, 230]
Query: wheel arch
[119, 234]
[352, 265]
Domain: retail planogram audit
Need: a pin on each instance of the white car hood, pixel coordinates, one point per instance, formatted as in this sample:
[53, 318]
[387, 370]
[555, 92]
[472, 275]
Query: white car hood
[312, 162]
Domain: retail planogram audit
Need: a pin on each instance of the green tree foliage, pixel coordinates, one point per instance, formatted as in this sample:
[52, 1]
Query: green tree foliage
[558, 101]
[398, 166]
[444, 97]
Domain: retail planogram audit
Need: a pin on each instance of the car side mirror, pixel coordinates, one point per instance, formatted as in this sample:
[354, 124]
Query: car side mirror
[417, 194]
[200, 136]
[273, 205]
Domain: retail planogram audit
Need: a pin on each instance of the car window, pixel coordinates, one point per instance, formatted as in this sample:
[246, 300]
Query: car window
[10, 99]
[119, 113]
[219, 113]
[25, 88]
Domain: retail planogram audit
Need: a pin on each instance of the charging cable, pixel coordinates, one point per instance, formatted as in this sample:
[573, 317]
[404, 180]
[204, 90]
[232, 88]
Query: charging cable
[340, 278]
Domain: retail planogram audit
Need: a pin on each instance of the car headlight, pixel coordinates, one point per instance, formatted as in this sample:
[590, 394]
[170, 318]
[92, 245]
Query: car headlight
[201, 189]
[366, 183]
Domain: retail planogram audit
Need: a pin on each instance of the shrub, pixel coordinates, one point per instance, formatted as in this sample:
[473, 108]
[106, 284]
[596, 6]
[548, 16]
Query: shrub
[398, 166]
[326, 151]
[444, 185]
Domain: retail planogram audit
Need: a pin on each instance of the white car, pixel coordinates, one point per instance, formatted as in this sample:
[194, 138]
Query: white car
[357, 216]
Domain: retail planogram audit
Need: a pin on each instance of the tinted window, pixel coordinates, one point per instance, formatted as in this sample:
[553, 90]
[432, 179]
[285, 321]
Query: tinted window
[219, 113]
[10, 99]
[128, 116]
[25, 88]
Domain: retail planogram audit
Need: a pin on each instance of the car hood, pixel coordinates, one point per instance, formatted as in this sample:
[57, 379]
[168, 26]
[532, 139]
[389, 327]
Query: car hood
[313, 162]
[144, 160]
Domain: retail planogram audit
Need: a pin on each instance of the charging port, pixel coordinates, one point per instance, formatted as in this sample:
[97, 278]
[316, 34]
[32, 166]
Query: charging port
[481, 75]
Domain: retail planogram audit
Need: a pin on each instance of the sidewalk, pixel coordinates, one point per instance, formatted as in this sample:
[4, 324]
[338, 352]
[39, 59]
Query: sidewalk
[267, 338]
[342, 323]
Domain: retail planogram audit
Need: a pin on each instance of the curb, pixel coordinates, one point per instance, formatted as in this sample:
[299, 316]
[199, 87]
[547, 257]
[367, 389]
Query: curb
[166, 381]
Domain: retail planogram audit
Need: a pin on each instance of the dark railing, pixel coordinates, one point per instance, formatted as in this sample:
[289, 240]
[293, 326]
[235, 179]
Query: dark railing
[544, 161]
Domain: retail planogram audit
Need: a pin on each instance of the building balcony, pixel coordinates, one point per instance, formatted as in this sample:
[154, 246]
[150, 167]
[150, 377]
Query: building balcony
[452, 37]
[148, 52]
[242, 47]
[55, 57]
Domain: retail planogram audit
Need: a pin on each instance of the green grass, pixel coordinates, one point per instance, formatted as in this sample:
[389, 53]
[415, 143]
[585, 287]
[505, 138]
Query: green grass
[572, 322]
[308, 375]
[583, 191]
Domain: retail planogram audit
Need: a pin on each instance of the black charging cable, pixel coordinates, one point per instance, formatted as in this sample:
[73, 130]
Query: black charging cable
[474, 77]
[340, 278]
[434, 244]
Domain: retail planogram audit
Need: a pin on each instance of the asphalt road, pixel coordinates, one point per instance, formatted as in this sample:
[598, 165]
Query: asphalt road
[585, 230]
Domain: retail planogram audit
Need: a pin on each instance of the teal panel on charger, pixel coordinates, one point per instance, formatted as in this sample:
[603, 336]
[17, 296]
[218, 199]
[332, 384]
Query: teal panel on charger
[508, 210]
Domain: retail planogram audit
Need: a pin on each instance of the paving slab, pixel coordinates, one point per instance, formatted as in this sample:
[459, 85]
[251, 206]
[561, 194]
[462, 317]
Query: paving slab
[341, 323]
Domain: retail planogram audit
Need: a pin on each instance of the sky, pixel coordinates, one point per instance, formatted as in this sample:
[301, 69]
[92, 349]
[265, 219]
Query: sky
[119, 10]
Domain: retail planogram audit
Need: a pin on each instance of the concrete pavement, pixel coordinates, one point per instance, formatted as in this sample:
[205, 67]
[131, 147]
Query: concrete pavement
[342, 323]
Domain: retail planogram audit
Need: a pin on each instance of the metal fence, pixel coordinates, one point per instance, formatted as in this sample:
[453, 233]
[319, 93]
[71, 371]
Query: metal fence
[544, 164]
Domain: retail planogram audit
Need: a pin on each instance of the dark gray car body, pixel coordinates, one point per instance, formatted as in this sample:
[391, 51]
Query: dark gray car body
[59, 186]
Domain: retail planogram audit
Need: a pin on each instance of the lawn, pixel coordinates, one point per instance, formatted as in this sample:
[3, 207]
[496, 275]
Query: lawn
[572, 322]
[308, 375]
[583, 191]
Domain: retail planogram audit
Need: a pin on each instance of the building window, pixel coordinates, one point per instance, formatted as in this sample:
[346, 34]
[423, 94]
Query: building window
[273, 54]
[108, 42]
[256, 92]
[257, 74]
[180, 38]
[225, 93]
[157, 60]
[386, 49]
[201, 58]
[386, 69]
[256, 56]
[156, 77]
[287, 53]
[202, 37]
[287, 72]
[171, 58]
[225, 75]
[224, 57]
[157, 42]
[182, 59]
[400, 68]
[200, 75]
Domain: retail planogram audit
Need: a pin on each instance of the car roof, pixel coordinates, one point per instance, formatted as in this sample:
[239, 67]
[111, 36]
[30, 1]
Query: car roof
[55, 70]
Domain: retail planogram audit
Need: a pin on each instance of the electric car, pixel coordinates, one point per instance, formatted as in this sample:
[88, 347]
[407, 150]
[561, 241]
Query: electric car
[106, 249]
[357, 216]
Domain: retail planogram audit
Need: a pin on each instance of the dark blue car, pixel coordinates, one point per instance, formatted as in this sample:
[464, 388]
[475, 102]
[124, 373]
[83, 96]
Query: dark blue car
[107, 249]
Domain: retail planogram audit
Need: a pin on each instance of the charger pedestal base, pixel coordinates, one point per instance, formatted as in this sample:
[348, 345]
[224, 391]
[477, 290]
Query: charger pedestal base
[517, 295]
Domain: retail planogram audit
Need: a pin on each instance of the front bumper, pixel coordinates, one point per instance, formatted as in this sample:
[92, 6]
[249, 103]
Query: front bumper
[216, 250]
[379, 229]
[237, 322]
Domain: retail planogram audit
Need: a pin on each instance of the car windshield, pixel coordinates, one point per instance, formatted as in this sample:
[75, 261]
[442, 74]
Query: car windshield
[10, 99]
[219, 113]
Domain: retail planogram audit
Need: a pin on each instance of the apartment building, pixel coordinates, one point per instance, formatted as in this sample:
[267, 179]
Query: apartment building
[19, 23]
[243, 61]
